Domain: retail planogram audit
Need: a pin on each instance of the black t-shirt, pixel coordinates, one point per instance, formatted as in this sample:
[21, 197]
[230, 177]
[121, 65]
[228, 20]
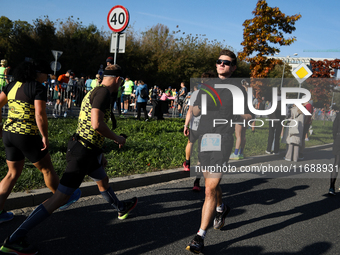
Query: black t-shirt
[220, 110]
[100, 99]
[81, 82]
[28, 92]
[154, 94]
[184, 89]
[262, 105]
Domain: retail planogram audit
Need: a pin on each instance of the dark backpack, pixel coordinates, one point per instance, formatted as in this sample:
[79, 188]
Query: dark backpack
[144, 93]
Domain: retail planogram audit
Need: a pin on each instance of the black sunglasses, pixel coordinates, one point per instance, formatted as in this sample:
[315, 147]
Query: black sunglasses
[225, 62]
[121, 78]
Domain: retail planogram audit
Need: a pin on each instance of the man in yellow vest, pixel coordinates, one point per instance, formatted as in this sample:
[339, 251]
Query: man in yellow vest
[128, 88]
[3, 73]
[95, 82]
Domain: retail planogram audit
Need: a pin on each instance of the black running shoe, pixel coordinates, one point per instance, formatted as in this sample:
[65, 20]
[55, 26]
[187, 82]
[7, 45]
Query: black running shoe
[196, 245]
[128, 207]
[19, 247]
[220, 216]
[331, 191]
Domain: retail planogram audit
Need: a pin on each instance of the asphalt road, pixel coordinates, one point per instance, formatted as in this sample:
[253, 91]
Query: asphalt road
[290, 215]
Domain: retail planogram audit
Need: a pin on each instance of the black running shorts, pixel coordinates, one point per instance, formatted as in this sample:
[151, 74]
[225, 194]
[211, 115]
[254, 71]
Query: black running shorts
[220, 158]
[126, 97]
[81, 161]
[18, 147]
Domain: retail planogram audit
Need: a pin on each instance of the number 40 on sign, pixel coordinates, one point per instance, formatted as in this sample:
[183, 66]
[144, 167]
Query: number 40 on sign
[118, 18]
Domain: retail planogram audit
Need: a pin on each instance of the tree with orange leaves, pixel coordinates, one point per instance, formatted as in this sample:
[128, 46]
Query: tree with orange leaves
[267, 27]
[320, 89]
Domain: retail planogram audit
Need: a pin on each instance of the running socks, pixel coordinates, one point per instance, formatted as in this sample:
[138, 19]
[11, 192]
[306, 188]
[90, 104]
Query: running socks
[37, 216]
[187, 162]
[220, 208]
[241, 151]
[111, 197]
[201, 233]
[236, 151]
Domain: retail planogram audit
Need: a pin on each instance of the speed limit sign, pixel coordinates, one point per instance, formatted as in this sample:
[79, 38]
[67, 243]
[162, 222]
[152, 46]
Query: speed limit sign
[118, 18]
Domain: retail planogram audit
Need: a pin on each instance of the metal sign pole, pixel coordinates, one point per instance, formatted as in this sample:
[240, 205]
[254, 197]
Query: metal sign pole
[116, 48]
[55, 66]
[118, 20]
[283, 73]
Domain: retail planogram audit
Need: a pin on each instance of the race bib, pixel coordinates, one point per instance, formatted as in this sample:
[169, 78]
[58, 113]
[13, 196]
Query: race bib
[211, 142]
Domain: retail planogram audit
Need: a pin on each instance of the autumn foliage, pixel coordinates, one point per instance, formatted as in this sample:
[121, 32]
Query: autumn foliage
[319, 88]
[158, 56]
[267, 28]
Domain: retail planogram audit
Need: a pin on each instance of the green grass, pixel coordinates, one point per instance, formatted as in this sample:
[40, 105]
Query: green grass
[257, 142]
[151, 146]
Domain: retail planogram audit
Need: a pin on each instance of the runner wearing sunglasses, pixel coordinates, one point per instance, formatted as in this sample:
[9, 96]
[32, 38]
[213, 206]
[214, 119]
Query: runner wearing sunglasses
[209, 155]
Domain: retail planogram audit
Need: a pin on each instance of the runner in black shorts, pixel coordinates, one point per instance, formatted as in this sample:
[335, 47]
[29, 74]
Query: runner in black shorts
[26, 98]
[215, 143]
[84, 157]
[181, 97]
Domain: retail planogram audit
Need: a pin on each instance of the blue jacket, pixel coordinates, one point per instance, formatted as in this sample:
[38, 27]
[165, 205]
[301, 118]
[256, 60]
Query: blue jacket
[139, 88]
[88, 84]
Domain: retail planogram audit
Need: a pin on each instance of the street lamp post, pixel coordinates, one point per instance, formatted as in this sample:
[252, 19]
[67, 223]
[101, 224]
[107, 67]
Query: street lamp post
[284, 65]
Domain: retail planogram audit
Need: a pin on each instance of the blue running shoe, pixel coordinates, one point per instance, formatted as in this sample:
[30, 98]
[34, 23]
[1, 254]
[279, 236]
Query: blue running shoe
[6, 216]
[73, 198]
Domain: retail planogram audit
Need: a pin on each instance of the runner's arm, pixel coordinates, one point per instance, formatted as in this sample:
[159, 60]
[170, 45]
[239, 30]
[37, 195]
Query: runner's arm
[6, 75]
[246, 117]
[3, 101]
[41, 119]
[187, 121]
[98, 124]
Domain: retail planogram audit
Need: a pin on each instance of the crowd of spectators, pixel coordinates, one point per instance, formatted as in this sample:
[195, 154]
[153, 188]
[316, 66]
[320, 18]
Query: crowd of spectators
[67, 90]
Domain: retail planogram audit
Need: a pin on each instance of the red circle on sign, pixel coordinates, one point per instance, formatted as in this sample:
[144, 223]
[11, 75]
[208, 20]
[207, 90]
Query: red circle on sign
[126, 21]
